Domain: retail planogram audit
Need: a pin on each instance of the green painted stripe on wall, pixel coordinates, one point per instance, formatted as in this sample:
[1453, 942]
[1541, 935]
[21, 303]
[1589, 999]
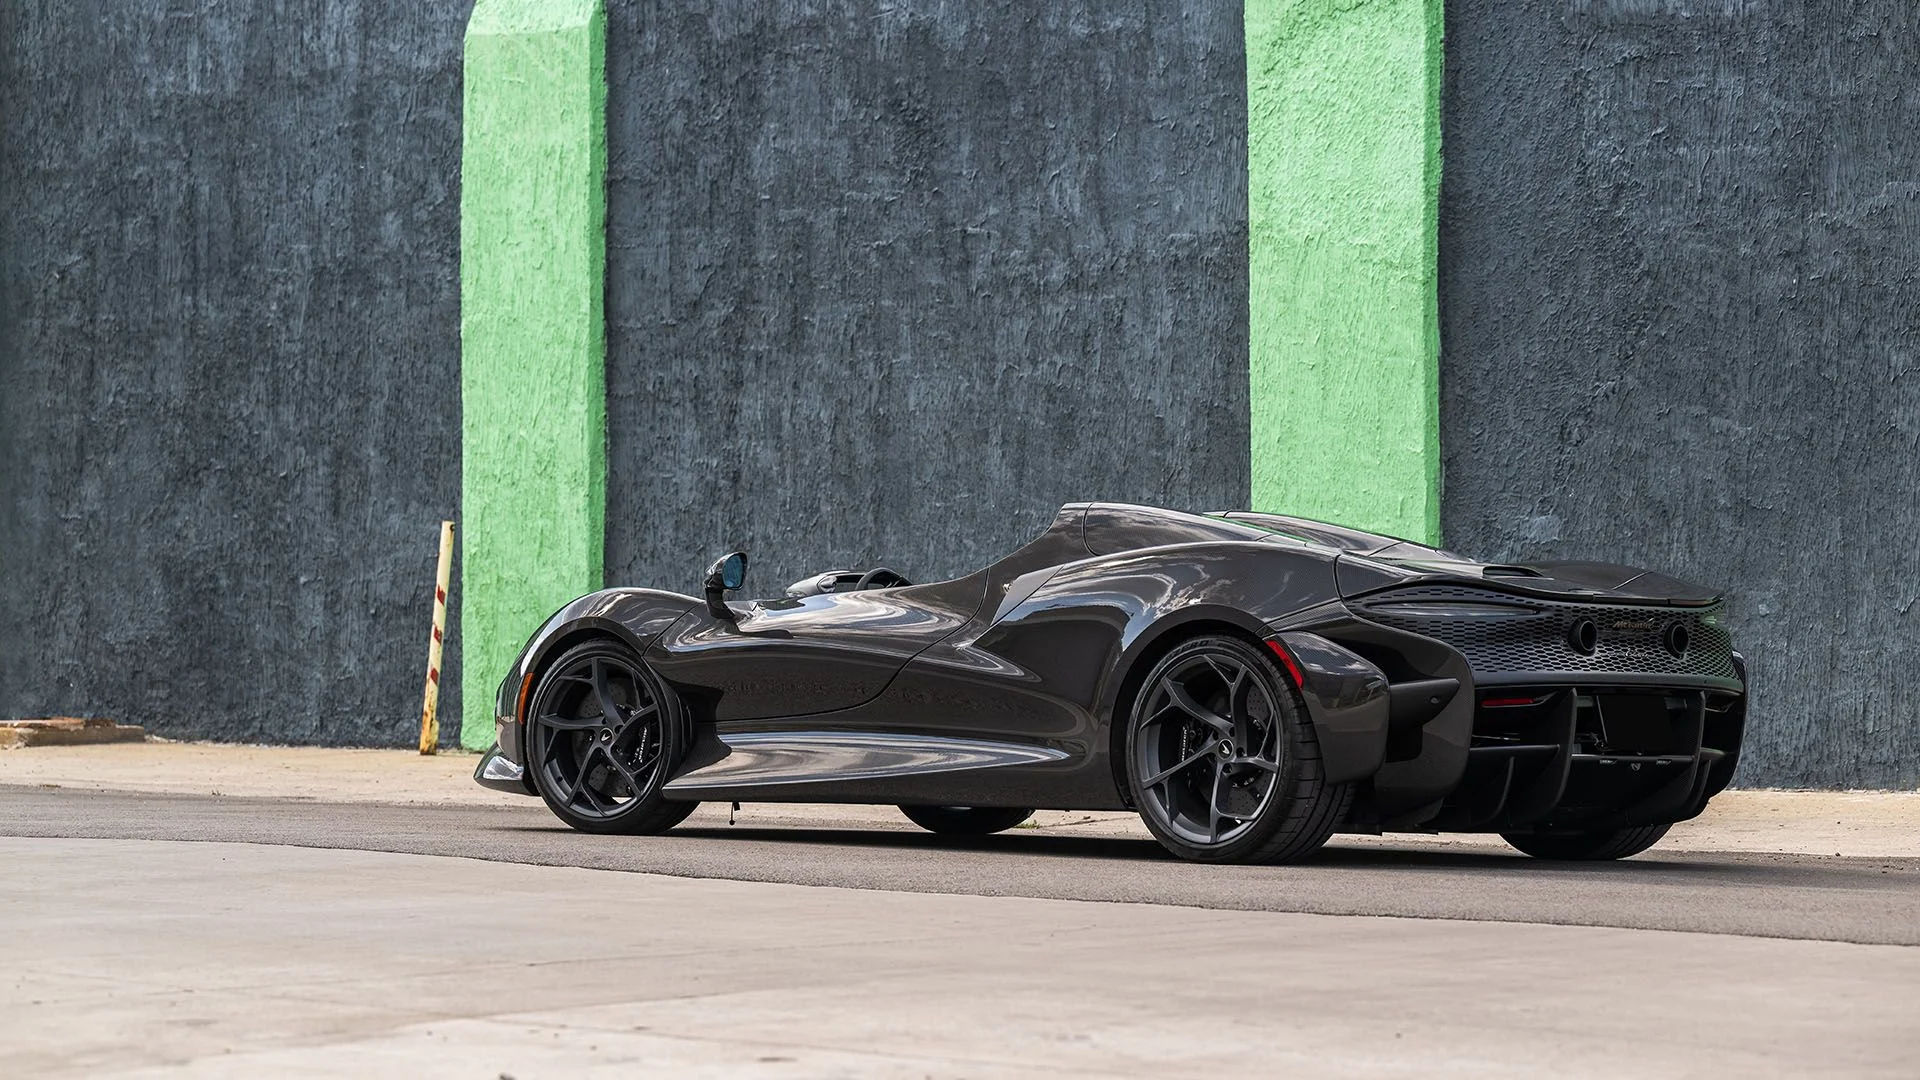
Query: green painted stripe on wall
[532, 330]
[1343, 153]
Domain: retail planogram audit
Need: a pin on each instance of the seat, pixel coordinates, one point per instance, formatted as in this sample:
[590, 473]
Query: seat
[843, 581]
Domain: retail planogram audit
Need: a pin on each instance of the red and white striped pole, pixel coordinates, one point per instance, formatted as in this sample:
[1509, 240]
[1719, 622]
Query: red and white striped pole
[430, 707]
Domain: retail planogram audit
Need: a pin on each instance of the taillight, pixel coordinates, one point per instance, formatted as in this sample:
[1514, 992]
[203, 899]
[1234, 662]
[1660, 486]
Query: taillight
[1286, 661]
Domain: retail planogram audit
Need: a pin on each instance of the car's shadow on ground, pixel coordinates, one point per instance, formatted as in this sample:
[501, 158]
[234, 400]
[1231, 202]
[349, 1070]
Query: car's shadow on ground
[1136, 849]
[1024, 841]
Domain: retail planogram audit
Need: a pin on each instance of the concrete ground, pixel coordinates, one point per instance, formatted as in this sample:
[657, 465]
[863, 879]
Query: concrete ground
[383, 916]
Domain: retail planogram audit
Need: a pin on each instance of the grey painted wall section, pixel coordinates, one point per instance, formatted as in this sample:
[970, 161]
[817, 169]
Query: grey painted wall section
[1681, 328]
[229, 393]
[887, 283]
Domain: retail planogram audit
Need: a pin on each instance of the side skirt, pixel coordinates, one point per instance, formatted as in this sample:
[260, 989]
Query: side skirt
[861, 766]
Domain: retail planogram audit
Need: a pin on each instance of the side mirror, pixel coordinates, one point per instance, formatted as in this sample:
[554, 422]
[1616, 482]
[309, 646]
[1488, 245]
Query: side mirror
[722, 578]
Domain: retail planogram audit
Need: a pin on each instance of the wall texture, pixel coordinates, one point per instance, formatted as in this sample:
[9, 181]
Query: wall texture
[887, 283]
[229, 419]
[1681, 328]
[1343, 152]
[532, 286]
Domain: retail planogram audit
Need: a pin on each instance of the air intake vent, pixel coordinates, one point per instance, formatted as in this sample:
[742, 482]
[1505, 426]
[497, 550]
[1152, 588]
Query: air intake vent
[1510, 571]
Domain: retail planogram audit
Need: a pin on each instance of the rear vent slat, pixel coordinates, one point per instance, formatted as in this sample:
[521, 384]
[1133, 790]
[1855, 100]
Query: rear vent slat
[1629, 639]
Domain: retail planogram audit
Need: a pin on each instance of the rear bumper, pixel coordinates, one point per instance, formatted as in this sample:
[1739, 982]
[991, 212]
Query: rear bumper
[1594, 758]
[1436, 743]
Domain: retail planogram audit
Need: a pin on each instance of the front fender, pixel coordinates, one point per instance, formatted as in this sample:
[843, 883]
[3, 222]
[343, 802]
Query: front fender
[635, 616]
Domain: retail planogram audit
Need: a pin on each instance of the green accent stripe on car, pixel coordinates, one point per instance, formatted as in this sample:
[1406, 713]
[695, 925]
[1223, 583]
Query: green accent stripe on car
[1343, 152]
[532, 336]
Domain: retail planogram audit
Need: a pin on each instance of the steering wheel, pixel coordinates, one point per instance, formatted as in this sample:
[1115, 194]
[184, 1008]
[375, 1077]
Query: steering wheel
[879, 578]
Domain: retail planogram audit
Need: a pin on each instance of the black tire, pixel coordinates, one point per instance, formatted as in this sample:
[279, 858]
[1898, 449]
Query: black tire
[1588, 846]
[965, 820]
[603, 735]
[1217, 690]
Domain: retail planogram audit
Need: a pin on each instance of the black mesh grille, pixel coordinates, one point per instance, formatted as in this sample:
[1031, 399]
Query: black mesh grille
[1631, 640]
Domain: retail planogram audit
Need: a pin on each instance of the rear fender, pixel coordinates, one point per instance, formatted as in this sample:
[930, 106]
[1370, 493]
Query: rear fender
[1098, 621]
[1349, 702]
[1131, 602]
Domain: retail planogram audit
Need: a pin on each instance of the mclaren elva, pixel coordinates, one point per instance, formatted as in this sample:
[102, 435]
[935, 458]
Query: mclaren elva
[1248, 683]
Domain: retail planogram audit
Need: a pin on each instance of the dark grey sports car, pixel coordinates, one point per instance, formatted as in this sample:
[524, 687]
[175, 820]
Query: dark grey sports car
[1250, 683]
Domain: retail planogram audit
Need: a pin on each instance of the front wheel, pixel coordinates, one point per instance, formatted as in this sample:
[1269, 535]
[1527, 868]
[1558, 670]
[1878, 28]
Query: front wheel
[1223, 761]
[603, 733]
[965, 820]
[1587, 846]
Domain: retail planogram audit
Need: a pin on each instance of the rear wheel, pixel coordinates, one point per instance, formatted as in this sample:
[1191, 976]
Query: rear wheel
[1588, 846]
[965, 820]
[1222, 760]
[603, 733]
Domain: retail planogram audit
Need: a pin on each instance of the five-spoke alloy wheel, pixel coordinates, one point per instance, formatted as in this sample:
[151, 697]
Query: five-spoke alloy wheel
[602, 734]
[1222, 761]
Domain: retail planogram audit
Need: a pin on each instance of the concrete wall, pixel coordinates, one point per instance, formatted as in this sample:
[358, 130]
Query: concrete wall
[229, 420]
[1681, 328]
[887, 283]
